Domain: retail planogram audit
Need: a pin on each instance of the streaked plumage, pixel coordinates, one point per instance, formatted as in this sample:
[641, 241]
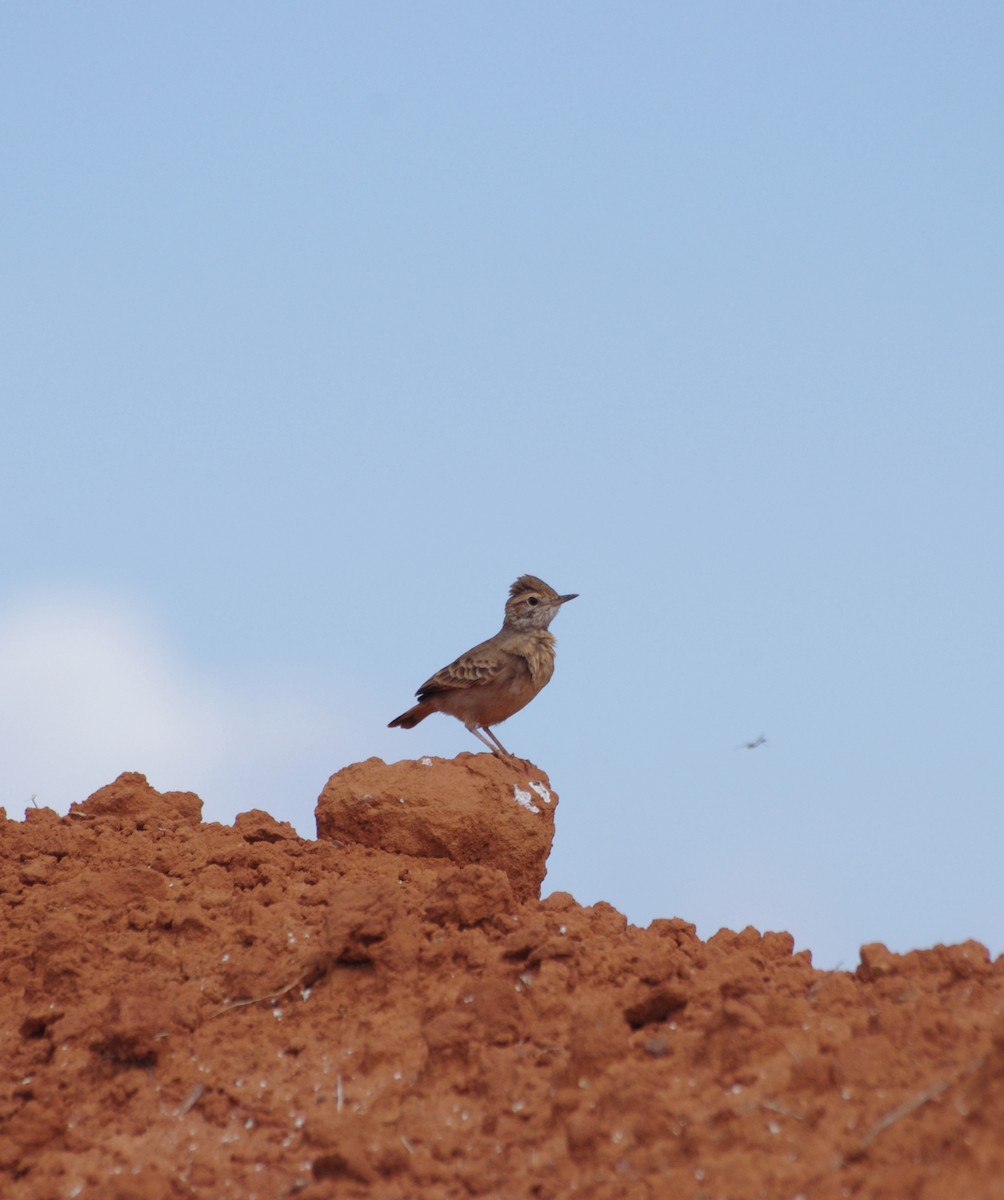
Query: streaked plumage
[500, 676]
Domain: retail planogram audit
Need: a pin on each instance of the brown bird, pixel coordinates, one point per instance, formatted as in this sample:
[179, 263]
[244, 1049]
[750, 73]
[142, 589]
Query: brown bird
[499, 677]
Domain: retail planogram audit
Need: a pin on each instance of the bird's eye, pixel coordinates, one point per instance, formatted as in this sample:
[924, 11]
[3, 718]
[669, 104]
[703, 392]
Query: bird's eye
[532, 600]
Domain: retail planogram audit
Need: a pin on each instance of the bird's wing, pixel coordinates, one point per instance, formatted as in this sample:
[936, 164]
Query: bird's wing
[476, 667]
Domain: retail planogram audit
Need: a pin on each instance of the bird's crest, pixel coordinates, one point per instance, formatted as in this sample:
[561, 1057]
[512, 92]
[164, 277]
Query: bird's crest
[530, 583]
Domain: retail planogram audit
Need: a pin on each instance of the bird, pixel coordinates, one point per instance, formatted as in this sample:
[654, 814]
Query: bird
[500, 676]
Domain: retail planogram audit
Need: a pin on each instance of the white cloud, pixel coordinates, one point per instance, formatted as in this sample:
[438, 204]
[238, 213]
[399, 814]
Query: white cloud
[89, 688]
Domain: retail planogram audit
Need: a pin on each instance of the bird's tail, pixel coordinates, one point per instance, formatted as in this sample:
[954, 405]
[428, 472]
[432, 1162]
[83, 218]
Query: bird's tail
[409, 719]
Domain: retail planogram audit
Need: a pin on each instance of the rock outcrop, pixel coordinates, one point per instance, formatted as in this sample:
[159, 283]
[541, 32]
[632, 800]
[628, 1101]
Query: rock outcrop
[470, 809]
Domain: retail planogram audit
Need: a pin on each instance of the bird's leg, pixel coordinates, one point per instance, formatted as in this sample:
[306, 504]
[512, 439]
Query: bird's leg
[472, 728]
[505, 752]
[481, 738]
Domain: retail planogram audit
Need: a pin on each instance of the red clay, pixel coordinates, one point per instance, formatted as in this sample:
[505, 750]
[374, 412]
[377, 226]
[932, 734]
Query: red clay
[196, 1010]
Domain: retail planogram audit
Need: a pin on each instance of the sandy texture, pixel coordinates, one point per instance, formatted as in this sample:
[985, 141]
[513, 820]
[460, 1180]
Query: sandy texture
[195, 1010]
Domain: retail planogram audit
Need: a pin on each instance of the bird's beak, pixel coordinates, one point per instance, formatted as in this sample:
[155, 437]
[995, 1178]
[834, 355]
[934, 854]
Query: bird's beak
[573, 596]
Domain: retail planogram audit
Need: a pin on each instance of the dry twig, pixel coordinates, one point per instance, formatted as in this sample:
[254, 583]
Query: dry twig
[909, 1106]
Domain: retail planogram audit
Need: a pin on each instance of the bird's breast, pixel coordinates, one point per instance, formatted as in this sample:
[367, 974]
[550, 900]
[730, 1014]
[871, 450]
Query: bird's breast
[539, 655]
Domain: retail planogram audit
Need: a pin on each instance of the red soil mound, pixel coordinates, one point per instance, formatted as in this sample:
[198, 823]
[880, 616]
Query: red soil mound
[196, 1010]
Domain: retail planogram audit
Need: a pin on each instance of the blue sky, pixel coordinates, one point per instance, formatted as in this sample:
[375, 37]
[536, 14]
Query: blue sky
[322, 323]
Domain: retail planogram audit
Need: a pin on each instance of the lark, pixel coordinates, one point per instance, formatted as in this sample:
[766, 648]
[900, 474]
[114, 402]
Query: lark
[497, 678]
